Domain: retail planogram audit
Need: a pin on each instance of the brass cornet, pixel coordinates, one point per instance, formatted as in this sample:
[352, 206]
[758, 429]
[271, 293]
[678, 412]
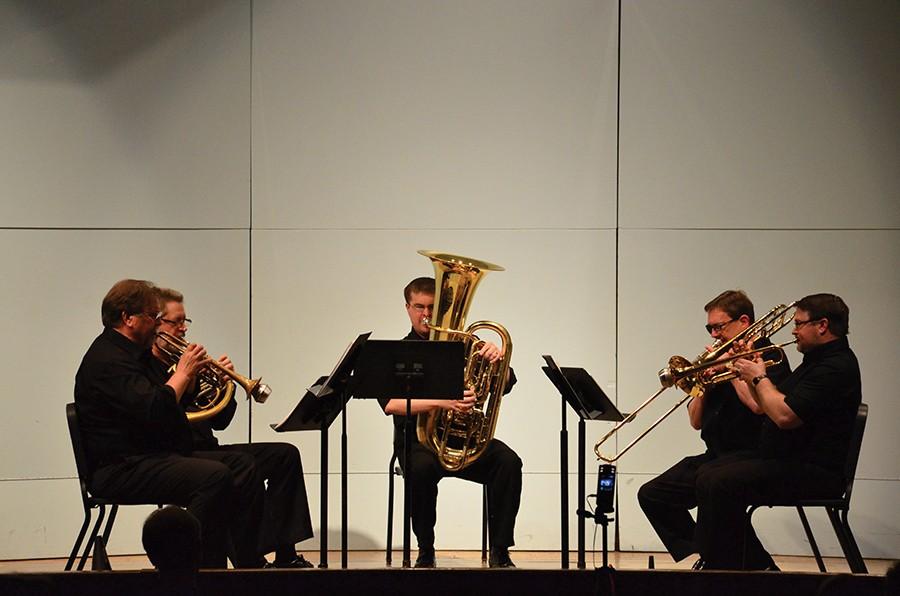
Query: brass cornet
[216, 386]
[690, 378]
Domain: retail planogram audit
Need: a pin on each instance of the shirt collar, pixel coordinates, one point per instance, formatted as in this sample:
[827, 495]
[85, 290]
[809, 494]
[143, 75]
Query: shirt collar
[826, 349]
[123, 343]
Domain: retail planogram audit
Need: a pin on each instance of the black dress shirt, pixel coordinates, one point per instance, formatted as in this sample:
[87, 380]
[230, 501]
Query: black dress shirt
[202, 436]
[824, 392]
[122, 411]
[727, 424]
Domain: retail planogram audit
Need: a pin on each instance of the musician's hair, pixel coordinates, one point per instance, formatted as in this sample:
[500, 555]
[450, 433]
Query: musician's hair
[129, 296]
[420, 285]
[828, 306]
[169, 295]
[734, 303]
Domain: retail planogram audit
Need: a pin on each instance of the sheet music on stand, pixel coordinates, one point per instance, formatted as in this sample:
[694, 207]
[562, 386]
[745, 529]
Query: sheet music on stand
[315, 406]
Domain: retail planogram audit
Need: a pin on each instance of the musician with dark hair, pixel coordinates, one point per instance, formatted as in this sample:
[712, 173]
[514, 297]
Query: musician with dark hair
[135, 431]
[278, 511]
[804, 440]
[729, 421]
[498, 467]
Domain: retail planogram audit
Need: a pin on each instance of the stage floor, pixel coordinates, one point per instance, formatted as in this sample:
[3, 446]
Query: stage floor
[472, 559]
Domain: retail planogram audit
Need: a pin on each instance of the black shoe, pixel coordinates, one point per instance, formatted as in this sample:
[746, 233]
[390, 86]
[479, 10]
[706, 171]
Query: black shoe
[500, 557]
[698, 565]
[425, 560]
[298, 562]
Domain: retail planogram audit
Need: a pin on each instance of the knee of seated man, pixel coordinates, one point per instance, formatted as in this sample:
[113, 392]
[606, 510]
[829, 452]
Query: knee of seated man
[287, 453]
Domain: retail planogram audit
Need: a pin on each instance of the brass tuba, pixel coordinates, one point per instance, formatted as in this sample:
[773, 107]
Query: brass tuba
[458, 439]
[692, 377]
[216, 386]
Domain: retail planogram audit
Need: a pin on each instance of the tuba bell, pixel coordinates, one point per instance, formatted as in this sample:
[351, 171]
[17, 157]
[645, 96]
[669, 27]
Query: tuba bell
[458, 439]
[216, 381]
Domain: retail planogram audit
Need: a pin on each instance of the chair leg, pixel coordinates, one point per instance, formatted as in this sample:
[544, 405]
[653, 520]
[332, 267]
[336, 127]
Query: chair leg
[841, 535]
[860, 562]
[84, 526]
[812, 540]
[390, 517]
[851, 549]
[107, 530]
[93, 535]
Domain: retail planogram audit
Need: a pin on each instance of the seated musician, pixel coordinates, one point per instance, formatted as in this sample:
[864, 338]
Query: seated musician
[282, 515]
[729, 421]
[135, 431]
[803, 446]
[498, 467]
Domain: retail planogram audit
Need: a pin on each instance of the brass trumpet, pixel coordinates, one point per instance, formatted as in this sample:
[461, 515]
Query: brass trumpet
[688, 376]
[216, 381]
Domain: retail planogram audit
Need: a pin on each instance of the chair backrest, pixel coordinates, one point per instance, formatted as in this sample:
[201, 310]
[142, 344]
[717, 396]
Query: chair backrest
[81, 462]
[856, 437]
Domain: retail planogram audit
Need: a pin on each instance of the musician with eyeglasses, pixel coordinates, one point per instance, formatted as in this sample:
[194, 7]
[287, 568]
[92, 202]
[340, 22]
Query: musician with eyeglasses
[135, 431]
[277, 514]
[498, 467]
[729, 421]
[804, 441]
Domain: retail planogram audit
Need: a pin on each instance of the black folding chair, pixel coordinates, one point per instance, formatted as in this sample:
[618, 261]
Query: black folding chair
[838, 509]
[89, 501]
[395, 470]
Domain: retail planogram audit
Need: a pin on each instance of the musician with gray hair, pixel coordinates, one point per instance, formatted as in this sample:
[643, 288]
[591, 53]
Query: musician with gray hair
[277, 511]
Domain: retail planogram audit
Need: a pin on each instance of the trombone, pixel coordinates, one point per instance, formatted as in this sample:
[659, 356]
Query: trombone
[690, 376]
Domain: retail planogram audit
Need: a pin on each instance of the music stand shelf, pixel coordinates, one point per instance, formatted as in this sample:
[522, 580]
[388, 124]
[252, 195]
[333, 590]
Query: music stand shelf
[579, 390]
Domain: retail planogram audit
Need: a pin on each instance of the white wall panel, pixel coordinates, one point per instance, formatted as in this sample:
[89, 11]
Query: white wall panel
[41, 519]
[125, 114]
[316, 290]
[689, 268]
[371, 114]
[762, 114]
[56, 280]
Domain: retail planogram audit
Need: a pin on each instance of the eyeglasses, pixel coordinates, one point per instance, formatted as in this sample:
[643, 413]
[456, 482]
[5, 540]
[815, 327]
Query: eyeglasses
[182, 323]
[718, 326]
[422, 307]
[799, 324]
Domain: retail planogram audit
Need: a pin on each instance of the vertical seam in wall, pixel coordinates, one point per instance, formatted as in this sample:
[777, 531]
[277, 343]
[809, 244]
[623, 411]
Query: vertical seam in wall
[250, 241]
[618, 132]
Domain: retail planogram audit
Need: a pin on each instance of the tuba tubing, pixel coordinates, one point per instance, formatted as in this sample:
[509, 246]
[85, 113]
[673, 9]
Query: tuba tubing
[458, 439]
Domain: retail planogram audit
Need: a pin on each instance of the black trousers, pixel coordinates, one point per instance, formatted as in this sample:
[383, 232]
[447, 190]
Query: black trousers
[220, 489]
[728, 485]
[499, 468]
[286, 519]
[667, 500]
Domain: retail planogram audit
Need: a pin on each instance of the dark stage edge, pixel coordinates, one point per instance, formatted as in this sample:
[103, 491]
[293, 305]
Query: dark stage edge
[440, 582]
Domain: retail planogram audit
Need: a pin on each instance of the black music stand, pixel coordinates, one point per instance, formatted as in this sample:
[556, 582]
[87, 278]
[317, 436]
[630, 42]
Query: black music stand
[316, 410]
[409, 370]
[583, 395]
